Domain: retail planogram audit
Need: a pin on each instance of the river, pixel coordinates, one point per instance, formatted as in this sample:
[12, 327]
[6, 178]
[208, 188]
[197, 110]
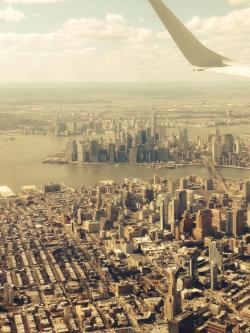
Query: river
[21, 165]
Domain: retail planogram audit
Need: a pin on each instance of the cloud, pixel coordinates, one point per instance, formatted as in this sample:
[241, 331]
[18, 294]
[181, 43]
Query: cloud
[10, 14]
[239, 2]
[112, 29]
[227, 34]
[31, 2]
[86, 49]
[111, 49]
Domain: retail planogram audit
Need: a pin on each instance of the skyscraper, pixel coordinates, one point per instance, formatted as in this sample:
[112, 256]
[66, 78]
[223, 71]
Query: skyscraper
[215, 255]
[238, 147]
[246, 191]
[183, 183]
[164, 213]
[103, 155]
[142, 137]
[229, 223]
[171, 186]
[193, 266]
[217, 135]
[203, 224]
[217, 219]
[183, 139]
[121, 154]
[182, 196]
[112, 153]
[57, 126]
[140, 153]
[112, 212]
[153, 123]
[129, 141]
[163, 154]
[229, 143]
[149, 194]
[216, 151]
[94, 149]
[173, 213]
[172, 305]
[132, 156]
[82, 152]
[190, 197]
[71, 151]
[239, 222]
[214, 276]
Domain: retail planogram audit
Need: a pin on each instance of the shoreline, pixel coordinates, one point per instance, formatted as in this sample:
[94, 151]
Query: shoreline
[145, 164]
[233, 167]
[77, 174]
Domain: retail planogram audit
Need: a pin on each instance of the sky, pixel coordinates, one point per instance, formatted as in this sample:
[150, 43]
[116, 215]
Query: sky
[113, 40]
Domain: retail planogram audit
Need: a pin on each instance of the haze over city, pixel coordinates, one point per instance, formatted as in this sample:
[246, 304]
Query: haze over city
[124, 166]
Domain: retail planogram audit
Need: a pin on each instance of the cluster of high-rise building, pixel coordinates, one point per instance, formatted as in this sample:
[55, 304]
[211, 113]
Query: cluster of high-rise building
[164, 255]
[129, 142]
[64, 128]
[127, 148]
[152, 141]
[227, 150]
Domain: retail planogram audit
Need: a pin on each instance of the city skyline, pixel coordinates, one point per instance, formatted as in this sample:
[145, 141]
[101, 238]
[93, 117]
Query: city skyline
[125, 172]
[88, 40]
[137, 221]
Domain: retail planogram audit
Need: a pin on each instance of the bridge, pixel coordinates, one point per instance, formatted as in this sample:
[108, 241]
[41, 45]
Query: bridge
[216, 172]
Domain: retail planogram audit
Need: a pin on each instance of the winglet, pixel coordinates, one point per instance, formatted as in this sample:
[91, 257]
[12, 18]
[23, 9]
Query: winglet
[194, 51]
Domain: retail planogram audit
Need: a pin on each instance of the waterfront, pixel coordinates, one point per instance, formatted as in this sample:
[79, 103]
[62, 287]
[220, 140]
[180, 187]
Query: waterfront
[21, 165]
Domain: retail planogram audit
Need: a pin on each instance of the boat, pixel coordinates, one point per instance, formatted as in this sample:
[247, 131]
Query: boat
[171, 165]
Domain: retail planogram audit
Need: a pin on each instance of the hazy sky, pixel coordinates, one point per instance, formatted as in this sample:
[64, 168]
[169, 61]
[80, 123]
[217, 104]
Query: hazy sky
[113, 40]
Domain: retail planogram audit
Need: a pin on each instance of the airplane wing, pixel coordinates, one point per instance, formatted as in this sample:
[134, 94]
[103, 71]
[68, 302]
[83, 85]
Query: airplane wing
[234, 69]
[197, 54]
